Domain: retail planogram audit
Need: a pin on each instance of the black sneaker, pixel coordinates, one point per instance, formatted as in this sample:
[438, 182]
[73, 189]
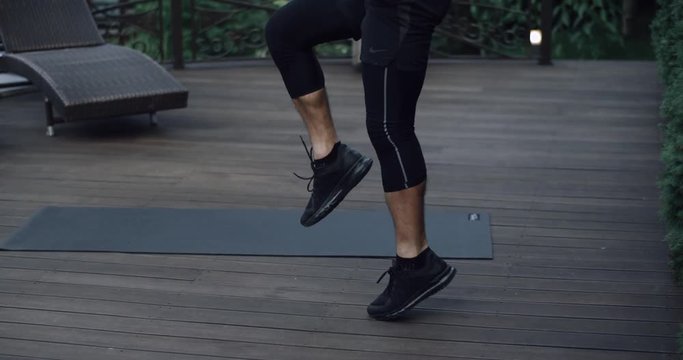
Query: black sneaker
[332, 180]
[407, 287]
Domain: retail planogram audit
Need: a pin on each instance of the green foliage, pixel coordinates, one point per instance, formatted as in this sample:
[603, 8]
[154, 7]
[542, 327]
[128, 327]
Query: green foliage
[675, 239]
[502, 26]
[242, 34]
[667, 41]
[667, 38]
[659, 32]
[582, 29]
[671, 180]
[141, 38]
[585, 28]
[335, 49]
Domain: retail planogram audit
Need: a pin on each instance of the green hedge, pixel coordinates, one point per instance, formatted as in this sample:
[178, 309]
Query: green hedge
[667, 36]
[667, 41]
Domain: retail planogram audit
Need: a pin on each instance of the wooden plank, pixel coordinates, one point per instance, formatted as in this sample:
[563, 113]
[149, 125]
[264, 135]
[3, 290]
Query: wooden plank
[485, 314]
[362, 292]
[205, 341]
[190, 322]
[19, 357]
[471, 272]
[151, 272]
[592, 280]
[258, 282]
[27, 349]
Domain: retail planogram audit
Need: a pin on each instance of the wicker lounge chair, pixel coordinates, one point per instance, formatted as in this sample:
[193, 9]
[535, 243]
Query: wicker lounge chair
[56, 45]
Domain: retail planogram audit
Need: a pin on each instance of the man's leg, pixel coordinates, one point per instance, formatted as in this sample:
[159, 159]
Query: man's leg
[393, 81]
[407, 211]
[417, 271]
[291, 33]
[314, 109]
[391, 99]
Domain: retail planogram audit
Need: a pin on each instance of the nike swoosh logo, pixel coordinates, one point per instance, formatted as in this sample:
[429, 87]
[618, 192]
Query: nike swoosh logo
[374, 51]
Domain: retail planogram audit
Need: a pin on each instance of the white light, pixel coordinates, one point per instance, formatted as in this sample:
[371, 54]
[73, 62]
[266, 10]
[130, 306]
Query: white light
[535, 37]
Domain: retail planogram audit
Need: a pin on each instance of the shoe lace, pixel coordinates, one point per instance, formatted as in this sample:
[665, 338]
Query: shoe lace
[391, 271]
[310, 157]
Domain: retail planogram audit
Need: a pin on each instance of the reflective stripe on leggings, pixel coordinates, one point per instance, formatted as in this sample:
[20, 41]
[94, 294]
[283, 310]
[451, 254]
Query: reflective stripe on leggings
[386, 131]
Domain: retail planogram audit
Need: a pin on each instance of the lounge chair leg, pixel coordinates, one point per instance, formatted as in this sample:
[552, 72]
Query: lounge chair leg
[50, 118]
[153, 120]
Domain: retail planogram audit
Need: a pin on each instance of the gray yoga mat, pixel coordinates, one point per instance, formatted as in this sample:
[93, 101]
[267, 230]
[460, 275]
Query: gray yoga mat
[275, 232]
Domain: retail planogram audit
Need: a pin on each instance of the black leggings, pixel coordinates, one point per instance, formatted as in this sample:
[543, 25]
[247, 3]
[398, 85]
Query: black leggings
[395, 48]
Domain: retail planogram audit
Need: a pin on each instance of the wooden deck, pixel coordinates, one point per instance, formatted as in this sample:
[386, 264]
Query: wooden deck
[564, 158]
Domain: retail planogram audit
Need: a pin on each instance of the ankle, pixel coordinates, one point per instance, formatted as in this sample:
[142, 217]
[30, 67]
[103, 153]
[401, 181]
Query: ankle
[325, 150]
[411, 250]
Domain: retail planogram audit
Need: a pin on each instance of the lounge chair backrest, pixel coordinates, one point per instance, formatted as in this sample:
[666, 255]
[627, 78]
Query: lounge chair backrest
[30, 25]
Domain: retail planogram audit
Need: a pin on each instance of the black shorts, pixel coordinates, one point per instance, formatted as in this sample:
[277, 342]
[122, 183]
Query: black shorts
[400, 30]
